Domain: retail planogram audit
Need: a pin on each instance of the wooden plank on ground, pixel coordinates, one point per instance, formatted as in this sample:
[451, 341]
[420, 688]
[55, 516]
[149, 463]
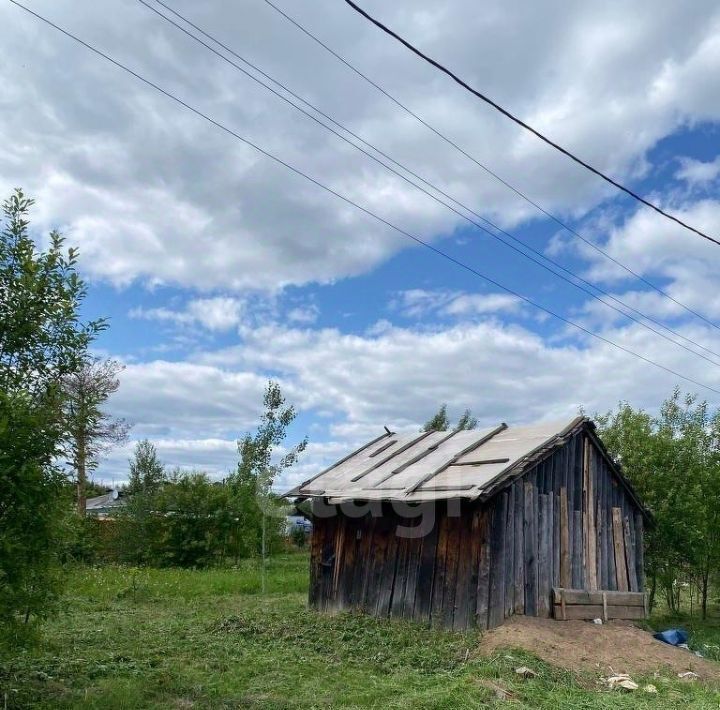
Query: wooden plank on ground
[595, 611]
[619, 551]
[583, 596]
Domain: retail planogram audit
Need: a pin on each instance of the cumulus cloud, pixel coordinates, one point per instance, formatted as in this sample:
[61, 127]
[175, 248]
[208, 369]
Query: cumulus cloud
[151, 193]
[417, 302]
[215, 314]
[698, 172]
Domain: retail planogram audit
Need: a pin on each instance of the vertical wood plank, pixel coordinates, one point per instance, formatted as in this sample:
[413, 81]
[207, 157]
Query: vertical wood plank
[565, 572]
[454, 545]
[483, 588]
[519, 550]
[630, 556]
[591, 529]
[464, 569]
[316, 544]
[530, 555]
[544, 559]
[369, 562]
[576, 562]
[509, 548]
[619, 551]
[414, 549]
[426, 571]
[640, 550]
[397, 601]
[328, 561]
[438, 587]
[496, 612]
[474, 564]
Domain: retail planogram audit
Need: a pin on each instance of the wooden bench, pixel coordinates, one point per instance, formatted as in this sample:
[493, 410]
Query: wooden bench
[605, 605]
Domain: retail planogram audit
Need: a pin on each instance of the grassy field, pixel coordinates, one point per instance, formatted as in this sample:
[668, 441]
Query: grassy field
[129, 638]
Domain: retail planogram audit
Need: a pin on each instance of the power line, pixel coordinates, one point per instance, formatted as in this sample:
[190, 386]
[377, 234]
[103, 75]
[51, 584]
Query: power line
[484, 167]
[426, 182]
[358, 206]
[526, 126]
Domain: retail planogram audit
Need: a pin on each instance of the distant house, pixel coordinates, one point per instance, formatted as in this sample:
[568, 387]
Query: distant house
[105, 506]
[298, 522]
[467, 528]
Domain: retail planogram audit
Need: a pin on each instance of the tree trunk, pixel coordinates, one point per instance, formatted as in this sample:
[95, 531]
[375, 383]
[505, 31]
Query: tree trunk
[705, 580]
[81, 476]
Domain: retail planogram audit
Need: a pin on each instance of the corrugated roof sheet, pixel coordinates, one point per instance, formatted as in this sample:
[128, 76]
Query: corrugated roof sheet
[432, 465]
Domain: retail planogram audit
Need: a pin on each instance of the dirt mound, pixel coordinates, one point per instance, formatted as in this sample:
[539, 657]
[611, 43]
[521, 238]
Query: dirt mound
[582, 646]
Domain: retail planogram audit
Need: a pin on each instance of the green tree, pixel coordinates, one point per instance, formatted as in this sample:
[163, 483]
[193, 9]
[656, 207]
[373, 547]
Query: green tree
[441, 422]
[42, 340]
[146, 472]
[91, 431]
[673, 460]
[259, 467]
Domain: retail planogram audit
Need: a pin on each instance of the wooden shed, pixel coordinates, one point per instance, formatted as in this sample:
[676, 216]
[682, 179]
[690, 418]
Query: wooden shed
[466, 528]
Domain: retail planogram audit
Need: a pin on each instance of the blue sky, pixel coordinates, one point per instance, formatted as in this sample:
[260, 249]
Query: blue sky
[218, 269]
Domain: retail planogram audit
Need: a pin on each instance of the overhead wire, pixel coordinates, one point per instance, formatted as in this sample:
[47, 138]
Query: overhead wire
[439, 252]
[426, 182]
[484, 167]
[528, 127]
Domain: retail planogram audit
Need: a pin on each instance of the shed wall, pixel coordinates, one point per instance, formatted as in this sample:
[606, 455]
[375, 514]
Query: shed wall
[567, 522]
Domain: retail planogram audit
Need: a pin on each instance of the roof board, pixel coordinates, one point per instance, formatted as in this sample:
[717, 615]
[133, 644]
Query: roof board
[432, 466]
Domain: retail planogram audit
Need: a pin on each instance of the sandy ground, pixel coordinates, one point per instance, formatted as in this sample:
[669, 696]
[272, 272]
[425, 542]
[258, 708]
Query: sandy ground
[617, 647]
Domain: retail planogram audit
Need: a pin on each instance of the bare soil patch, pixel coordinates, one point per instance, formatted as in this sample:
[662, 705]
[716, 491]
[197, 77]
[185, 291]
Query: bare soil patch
[581, 646]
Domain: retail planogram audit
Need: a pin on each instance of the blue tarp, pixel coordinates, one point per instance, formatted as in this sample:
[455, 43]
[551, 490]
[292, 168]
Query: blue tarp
[672, 636]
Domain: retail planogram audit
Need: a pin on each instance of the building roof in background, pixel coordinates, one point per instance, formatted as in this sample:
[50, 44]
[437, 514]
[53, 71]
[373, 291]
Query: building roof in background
[112, 499]
[436, 465]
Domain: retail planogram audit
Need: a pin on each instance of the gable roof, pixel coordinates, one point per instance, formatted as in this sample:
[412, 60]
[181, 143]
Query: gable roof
[437, 465]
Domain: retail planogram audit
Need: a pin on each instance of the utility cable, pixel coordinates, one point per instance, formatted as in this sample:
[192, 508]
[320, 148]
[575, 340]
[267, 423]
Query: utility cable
[361, 208]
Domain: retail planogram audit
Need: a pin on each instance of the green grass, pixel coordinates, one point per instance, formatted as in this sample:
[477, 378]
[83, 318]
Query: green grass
[130, 638]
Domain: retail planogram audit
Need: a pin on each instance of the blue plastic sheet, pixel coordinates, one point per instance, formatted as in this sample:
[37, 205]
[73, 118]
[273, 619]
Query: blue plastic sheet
[672, 636]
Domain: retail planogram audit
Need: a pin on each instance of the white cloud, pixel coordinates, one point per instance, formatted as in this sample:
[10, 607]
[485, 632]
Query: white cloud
[214, 314]
[417, 302]
[152, 193]
[698, 172]
[683, 264]
[303, 314]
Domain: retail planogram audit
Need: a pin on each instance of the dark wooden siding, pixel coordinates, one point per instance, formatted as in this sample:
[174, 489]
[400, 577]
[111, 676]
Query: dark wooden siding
[567, 522]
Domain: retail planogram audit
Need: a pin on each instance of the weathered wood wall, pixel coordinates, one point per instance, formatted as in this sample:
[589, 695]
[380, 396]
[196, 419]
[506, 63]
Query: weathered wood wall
[567, 522]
